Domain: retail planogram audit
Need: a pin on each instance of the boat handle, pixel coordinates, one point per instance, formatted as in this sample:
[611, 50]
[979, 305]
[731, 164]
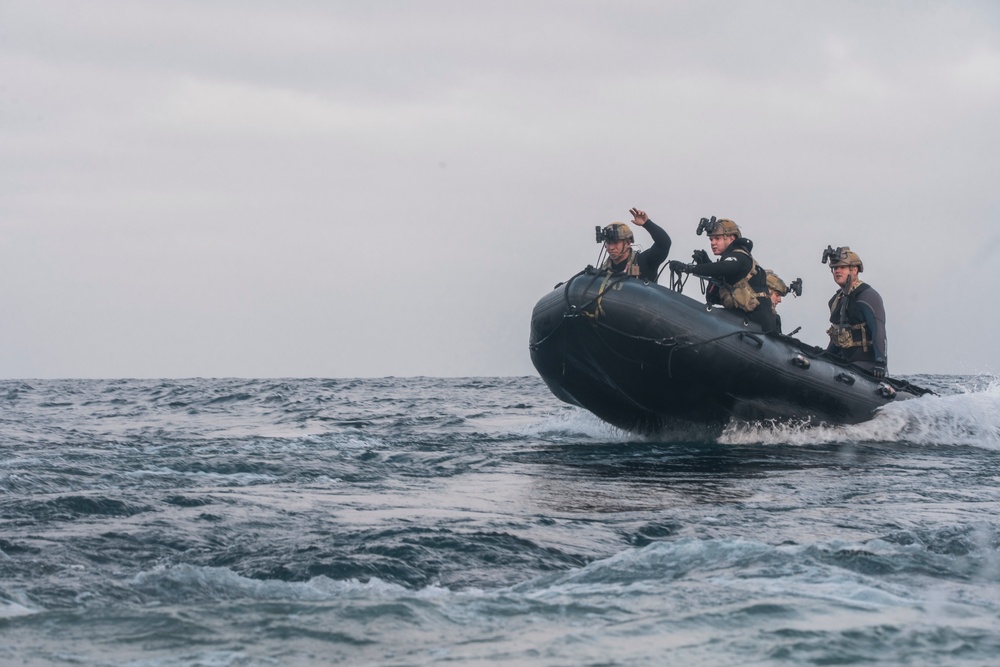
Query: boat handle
[758, 343]
[801, 362]
[845, 378]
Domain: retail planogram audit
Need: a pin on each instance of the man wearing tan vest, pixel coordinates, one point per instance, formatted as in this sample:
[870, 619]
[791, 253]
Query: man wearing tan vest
[857, 315]
[617, 238]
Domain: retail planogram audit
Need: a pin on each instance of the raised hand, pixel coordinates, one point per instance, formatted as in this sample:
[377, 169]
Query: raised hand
[639, 216]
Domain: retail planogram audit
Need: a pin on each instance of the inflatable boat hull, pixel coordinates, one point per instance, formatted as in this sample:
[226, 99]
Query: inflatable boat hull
[641, 356]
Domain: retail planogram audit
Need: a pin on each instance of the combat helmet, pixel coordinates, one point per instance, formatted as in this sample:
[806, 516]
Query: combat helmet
[842, 256]
[726, 227]
[720, 227]
[616, 231]
[776, 284]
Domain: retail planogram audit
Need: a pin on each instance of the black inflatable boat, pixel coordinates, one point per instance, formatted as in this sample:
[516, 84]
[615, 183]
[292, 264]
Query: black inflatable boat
[643, 357]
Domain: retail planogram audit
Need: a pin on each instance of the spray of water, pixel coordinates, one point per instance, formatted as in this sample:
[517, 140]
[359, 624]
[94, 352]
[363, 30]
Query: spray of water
[968, 417]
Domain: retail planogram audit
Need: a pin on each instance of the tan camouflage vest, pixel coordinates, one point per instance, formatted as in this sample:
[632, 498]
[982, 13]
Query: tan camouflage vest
[847, 336]
[631, 267]
[844, 337]
[741, 296]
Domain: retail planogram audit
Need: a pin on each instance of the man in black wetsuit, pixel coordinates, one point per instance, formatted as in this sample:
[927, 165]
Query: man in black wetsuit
[736, 281]
[618, 238]
[857, 315]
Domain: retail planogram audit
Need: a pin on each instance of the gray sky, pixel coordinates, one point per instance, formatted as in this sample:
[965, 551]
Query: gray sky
[317, 188]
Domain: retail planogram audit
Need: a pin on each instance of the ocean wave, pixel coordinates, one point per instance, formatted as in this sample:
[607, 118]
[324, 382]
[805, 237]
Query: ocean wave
[13, 608]
[483, 521]
[848, 574]
[575, 425]
[188, 583]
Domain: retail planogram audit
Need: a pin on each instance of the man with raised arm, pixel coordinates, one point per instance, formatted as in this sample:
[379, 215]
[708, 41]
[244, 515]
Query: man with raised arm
[618, 239]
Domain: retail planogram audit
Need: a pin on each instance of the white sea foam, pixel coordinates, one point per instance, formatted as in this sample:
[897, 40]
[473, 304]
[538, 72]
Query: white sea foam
[10, 609]
[970, 418]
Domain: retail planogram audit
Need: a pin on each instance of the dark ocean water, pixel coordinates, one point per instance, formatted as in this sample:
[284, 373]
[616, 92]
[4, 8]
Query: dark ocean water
[479, 522]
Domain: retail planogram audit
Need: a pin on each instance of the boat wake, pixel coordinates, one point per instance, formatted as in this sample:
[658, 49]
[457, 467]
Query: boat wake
[969, 417]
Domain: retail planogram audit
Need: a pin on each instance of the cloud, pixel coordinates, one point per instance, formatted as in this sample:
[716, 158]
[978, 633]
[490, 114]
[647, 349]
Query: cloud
[317, 188]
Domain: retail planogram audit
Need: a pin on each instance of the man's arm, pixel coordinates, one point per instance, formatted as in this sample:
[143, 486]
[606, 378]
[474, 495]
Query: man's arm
[730, 269]
[650, 260]
[872, 309]
[661, 245]
[829, 305]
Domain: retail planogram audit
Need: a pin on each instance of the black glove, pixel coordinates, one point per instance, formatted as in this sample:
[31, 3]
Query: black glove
[677, 266]
[700, 257]
[879, 372]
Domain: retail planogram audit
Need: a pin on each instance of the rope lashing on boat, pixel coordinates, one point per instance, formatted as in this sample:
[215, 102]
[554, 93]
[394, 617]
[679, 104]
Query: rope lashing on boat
[670, 342]
[598, 307]
[610, 281]
[686, 344]
[666, 342]
[574, 311]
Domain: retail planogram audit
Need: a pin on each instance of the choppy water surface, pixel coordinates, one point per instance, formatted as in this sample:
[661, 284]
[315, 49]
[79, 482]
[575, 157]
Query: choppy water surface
[479, 521]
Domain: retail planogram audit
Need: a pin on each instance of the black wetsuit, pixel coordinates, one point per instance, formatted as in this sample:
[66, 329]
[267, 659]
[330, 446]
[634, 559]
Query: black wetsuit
[649, 261]
[864, 306]
[732, 267]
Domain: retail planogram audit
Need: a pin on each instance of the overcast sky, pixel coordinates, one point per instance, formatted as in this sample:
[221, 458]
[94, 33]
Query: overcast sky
[368, 188]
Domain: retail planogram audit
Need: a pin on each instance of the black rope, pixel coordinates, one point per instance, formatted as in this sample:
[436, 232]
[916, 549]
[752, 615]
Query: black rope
[658, 341]
[670, 342]
[577, 311]
[581, 311]
[678, 279]
[611, 282]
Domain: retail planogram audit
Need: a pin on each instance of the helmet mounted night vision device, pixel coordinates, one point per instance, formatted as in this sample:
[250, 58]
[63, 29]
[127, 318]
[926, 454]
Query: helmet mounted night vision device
[616, 231]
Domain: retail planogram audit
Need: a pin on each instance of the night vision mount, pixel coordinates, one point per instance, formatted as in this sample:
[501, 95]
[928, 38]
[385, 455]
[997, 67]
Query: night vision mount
[602, 234]
[833, 255]
[796, 287]
[707, 225]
